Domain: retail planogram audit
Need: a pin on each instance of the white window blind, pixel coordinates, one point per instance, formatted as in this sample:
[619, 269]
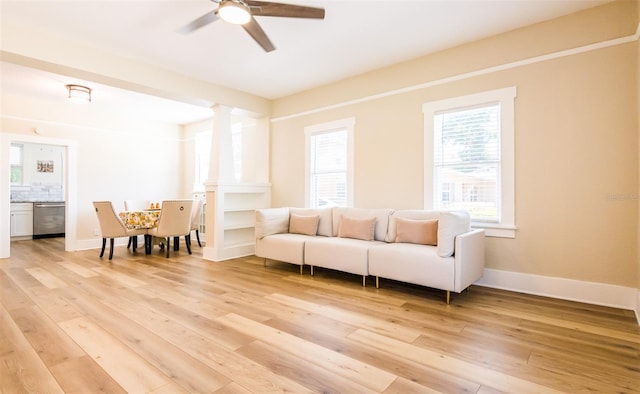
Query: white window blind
[328, 169]
[470, 158]
[467, 160]
[203, 149]
[15, 154]
[15, 157]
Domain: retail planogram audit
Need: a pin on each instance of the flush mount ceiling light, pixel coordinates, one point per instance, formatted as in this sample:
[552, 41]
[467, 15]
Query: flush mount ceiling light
[79, 94]
[234, 11]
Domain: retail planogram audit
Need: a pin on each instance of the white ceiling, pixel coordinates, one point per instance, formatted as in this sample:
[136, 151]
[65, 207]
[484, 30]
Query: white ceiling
[355, 36]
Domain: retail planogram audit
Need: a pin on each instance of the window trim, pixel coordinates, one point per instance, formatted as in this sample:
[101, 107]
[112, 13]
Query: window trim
[506, 97]
[328, 127]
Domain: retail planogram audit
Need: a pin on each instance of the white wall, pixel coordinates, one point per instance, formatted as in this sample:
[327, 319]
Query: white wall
[118, 158]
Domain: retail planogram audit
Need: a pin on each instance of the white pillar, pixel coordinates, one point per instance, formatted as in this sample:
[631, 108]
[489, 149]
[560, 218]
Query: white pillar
[221, 159]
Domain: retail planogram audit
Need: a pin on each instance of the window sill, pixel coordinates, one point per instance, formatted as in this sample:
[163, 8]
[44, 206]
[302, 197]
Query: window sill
[496, 230]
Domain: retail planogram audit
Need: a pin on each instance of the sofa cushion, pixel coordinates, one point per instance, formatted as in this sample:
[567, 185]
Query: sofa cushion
[325, 226]
[271, 221]
[282, 247]
[363, 229]
[450, 224]
[342, 254]
[306, 225]
[415, 214]
[411, 263]
[423, 232]
[381, 215]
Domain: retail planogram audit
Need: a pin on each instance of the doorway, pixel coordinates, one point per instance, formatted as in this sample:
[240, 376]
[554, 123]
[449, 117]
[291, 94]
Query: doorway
[69, 177]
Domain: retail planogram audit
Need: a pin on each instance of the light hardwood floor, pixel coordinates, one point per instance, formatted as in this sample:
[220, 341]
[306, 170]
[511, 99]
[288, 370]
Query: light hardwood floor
[72, 322]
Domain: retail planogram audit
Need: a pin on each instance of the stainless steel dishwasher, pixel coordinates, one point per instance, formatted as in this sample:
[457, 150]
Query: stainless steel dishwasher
[48, 219]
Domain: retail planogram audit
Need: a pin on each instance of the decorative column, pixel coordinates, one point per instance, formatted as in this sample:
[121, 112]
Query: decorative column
[231, 203]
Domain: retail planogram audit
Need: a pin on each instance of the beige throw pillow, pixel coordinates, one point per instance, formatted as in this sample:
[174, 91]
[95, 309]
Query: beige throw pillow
[423, 232]
[357, 228]
[307, 225]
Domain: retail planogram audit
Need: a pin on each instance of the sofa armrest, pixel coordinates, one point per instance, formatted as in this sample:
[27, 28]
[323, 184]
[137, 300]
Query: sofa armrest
[271, 221]
[468, 258]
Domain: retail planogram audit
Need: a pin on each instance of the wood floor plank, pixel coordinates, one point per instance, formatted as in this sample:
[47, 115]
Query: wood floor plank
[45, 337]
[21, 369]
[84, 375]
[120, 278]
[363, 374]
[483, 376]
[301, 370]
[46, 278]
[78, 269]
[130, 371]
[372, 323]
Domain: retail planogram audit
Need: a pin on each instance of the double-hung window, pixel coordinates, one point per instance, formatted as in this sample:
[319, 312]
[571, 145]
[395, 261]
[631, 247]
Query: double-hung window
[469, 158]
[16, 159]
[203, 149]
[329, 164]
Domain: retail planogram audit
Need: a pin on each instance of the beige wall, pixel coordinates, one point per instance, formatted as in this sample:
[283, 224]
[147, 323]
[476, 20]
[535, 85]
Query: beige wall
[576, 141]
[638, 125]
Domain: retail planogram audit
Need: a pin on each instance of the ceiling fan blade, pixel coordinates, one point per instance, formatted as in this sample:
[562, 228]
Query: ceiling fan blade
[253, 28]
[268, 8]
[204, 20]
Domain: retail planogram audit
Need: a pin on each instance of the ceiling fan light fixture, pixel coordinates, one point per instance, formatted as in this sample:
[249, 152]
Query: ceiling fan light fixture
[234, 11]
[79, 94]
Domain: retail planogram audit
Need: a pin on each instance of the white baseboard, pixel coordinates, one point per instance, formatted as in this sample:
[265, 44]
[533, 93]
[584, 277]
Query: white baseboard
[85, 244]
[638, 300]
[566, 289]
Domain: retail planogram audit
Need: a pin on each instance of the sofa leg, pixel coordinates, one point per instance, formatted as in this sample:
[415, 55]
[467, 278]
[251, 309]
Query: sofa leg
[377, 282]
[300, 269]
[448, 297]
[311, 270]
[264, 263]
[364, 281]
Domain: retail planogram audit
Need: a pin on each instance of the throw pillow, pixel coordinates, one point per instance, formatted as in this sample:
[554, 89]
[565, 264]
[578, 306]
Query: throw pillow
[307, 225]
[423, 232]
[357, 228]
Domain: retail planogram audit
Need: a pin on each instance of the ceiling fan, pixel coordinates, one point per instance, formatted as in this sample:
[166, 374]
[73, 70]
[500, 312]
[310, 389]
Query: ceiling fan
[242, 12]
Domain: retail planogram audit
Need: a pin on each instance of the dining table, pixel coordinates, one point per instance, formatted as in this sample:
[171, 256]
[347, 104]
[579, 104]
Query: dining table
[141, 219]
[146, 218]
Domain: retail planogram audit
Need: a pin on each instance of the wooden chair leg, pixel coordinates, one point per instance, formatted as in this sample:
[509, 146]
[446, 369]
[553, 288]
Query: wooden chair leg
[176, 243]
[104, 243]
[134, 242]
[168, 245]
[187, 241]
[129, 243]
[198, 238]
[111, 242]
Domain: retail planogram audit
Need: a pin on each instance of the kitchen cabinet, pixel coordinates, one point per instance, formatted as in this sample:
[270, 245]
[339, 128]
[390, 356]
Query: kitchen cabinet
[21, 219]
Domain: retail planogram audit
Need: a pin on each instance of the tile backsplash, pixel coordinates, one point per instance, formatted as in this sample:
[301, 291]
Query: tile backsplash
[37, 192]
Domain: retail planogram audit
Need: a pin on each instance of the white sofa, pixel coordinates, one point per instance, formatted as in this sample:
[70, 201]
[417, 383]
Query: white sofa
[436, 249]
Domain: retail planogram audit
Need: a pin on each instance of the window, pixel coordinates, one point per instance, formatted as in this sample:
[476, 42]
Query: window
[203, 149]
[236, 149]
[329, 164]
[15, 158]
[469, 158]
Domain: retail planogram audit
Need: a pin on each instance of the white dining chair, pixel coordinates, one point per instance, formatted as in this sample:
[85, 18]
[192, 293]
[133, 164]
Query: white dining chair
[112, 227]
[174, 221]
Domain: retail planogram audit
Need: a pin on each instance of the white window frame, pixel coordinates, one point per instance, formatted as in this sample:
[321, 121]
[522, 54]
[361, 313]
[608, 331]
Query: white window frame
[506, 97]
[200, 164]
[347, 124]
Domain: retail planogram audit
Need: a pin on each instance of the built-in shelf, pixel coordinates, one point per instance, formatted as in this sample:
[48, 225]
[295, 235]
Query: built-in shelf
[232, 211]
